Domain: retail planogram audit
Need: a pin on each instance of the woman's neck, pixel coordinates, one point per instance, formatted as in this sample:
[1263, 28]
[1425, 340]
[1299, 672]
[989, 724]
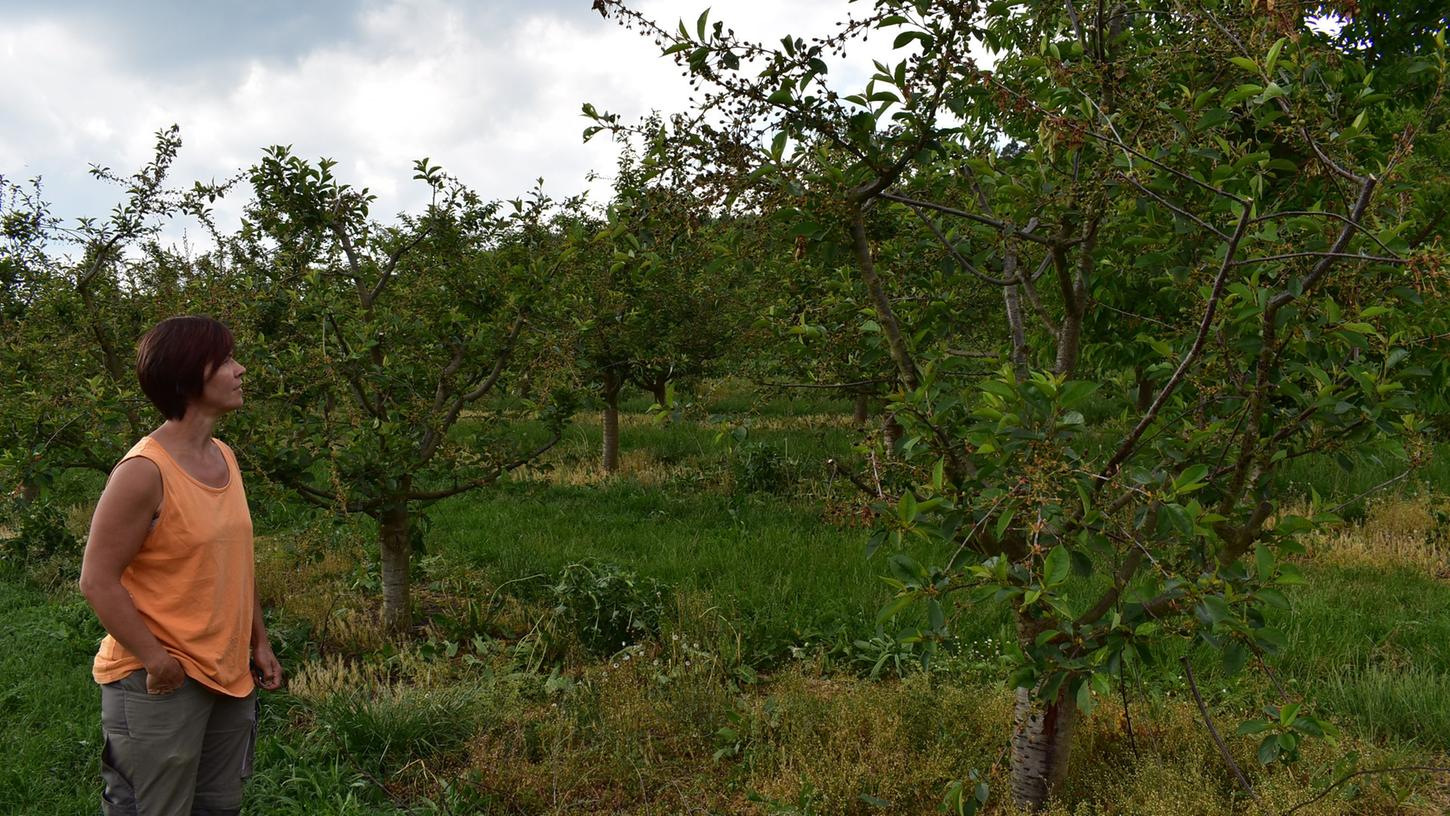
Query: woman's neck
[190, 434]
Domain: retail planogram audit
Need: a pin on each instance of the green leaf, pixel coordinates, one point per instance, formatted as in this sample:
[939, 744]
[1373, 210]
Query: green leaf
[906, 507]
[1251, 727]
[1235, 656]
[1269, 749]
[1264, 562]
[895, 607]
[1273, 58]
[1288, 713]
[999, 388]
[1190, 479]
[1075, 391]
[905, 38]
[1004, 522]
[1216, 609]
[905, 568]
[1273, 597]
[1057, 566]
[1086, 702]
[1245, 63]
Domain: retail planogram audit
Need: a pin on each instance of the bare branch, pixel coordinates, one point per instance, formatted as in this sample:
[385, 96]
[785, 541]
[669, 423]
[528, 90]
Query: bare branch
[1334, 215]
[1344, 256]
[1381, 486]
[956, 255]
[844, 385]
[885, 315]
[1174, 207]
[392, 264]
[1126, 448]
[1029, 287]
[1374, 771]
[429, 497]
[979, 218]
[1213, 731]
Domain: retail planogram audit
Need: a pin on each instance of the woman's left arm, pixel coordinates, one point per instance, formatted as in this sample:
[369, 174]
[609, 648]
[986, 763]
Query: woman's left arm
[264, 662]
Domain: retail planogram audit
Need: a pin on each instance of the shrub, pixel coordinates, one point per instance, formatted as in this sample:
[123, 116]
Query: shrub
[608, 607]
[756, 468]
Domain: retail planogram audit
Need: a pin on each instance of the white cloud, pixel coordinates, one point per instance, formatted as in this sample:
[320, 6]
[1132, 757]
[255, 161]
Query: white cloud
[490, 91]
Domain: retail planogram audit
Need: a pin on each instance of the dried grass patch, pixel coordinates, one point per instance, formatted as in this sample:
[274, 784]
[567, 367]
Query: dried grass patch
[1396, 532]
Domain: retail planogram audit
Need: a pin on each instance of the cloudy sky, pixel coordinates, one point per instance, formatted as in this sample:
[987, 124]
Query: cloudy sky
[490, 90]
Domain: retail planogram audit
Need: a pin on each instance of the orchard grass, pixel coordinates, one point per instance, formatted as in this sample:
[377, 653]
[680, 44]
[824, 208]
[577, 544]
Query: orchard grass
[755, 694]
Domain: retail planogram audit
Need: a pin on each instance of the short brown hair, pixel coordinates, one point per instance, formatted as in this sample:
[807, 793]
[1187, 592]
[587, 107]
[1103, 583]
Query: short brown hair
[172, 360]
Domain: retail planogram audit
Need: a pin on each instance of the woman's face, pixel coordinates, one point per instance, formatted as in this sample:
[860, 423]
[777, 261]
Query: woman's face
[222, 389]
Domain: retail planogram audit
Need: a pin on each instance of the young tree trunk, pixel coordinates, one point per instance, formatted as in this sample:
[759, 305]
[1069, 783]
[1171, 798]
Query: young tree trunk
[612, 386]
[891, 432]
[1144, 397]
[862, 410]
[1041, 736]
[659, 388]
[396, 544]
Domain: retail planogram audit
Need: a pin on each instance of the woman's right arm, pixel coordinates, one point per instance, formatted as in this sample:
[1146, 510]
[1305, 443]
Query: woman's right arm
[121, 522]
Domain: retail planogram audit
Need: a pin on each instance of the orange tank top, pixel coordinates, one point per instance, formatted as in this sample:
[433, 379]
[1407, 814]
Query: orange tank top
[192, 579]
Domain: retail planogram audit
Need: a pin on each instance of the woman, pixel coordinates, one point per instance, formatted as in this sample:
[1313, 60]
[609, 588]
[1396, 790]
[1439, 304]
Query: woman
[168, 569]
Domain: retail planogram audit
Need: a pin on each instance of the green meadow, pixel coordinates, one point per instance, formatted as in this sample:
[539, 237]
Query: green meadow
[751, 674]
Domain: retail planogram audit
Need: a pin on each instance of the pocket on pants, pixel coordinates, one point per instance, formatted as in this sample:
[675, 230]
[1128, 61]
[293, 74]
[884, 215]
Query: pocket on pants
[153, 716]
[252, 736]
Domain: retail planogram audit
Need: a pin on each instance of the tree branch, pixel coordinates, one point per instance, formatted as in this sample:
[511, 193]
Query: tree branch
[970, 216]
[1213, 731]
[1344, 256]
[1126, 448]
[429, 497]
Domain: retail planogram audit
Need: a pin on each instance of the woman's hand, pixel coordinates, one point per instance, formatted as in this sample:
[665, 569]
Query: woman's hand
[164, 675]
[265, 667]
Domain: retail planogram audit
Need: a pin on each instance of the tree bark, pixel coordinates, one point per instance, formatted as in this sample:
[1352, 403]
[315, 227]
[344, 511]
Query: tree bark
[1012, 299]
[885, 315]
[659, 388]
[396, 544]
[1145, 389]
[1041, 736]
[862, 410]
[891, 432]
[612, 386]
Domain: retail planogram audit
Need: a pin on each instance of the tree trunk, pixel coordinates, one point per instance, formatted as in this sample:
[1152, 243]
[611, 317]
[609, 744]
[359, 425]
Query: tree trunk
[862, 410]
[659, 388]
[1145, 395]
[1041, 736]
[612, 386]
[1012, 298]
[885, 315]
[396, 544]
[891, 432]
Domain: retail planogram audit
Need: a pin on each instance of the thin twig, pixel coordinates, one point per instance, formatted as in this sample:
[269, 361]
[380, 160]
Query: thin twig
[961, 259]
[1381, 485]
[1126, 448]
[1347, 777]
[971, 216]
[1346, 256]
[1174, 207]
[1327, 214]
[1213, 731]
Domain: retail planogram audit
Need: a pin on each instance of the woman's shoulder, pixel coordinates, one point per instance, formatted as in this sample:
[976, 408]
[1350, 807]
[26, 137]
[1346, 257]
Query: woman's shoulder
[137, 476]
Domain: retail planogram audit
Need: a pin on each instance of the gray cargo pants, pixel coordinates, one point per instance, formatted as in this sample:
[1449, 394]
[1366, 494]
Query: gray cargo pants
[179, 754]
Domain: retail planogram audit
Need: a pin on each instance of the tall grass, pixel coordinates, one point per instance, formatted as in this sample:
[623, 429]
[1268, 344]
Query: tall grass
[490, 708]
